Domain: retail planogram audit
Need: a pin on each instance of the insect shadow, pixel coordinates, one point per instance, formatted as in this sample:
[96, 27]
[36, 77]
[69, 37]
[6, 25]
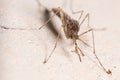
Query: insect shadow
[51, 24]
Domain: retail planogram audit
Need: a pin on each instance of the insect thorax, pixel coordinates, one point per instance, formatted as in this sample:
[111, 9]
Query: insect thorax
[71, 28]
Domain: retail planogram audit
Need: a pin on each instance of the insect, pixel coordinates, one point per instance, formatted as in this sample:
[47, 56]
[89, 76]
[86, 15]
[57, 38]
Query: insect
[47, 15]
[71, 28]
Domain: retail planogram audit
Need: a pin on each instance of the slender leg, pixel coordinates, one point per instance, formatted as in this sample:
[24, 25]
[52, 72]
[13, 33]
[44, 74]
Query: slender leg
[39, 3]
[86, 32]
[53, 47]
[94, 52]
[81, 51]
[83, 42]
[81, 13]
[76, 12]
[76, 51]
[48, 20]
[107, 71]
[86, 16]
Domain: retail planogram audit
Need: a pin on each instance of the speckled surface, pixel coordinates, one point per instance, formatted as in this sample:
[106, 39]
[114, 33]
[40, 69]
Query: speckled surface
[22, 52]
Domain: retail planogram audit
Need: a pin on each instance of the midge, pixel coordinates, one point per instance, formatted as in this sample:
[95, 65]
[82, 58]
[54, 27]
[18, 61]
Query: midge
[71, 28]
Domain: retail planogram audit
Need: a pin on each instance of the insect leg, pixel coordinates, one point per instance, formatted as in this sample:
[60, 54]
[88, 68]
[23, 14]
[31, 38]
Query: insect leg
[94, 52]
[81, 51]
[107, 71]
[86, 16]
[83, 42]
[48, 20]
[76, 12]
[71, 8]
[53, 47]
[76, 51]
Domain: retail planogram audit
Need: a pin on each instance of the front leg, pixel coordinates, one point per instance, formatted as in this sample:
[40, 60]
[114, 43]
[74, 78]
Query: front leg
[77, 49]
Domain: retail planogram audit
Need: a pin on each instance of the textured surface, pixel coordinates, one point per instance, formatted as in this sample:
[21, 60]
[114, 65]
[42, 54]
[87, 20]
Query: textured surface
[22, 52]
